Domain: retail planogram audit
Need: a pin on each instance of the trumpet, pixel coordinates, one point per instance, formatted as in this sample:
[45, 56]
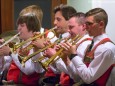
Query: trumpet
[10, 40]
[24, 59]
[59, 53]
[33, 38]
[30, 46]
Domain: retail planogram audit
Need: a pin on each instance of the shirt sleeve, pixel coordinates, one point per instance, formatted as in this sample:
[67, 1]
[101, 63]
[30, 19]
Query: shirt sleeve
[80, 54]
[73, 73]
[1, 64]
[60, 65]
[38, 67]
[103, 59]
[29, 66]
[5, 63]
[53, 66]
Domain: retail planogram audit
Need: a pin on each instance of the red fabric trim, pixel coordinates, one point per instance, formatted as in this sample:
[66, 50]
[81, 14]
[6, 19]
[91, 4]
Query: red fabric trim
[103, 79]
[90, 54]
[113, 65]
[84, 40]
[14, 72]
[64, 79]
[47, 31]
[49, 73]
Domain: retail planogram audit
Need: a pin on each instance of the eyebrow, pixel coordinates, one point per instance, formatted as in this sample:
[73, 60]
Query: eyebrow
[89, 23]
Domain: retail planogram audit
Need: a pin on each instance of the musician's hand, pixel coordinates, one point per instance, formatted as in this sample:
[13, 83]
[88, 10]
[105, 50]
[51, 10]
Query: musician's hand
[49, 52]
[47, 42]
[38, 43]
[23, 52]
[4, 51]
[1, 41]
[68, 48]
[10, 82]
[57, 47]
[73, 49]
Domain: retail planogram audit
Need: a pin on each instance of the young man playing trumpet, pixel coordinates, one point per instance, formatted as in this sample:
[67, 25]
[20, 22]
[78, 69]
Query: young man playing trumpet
[62, 13]
[28, 24]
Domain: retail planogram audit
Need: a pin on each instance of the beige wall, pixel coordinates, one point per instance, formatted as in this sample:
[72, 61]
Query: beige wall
[80, 5]
[108, 5]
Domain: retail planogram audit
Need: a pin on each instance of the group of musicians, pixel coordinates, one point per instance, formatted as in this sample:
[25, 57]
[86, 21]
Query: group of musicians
[76, 52]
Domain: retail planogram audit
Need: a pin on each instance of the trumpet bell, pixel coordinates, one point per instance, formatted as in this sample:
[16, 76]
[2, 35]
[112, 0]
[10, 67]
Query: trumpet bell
[7, 35]
[10, 37]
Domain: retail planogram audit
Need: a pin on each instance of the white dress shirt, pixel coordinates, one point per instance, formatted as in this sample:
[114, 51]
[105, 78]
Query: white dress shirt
[30, 66]
[104, 57]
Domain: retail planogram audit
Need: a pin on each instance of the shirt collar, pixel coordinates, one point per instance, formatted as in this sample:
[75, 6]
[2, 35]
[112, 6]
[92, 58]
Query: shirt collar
[41, 30]
[100, 37]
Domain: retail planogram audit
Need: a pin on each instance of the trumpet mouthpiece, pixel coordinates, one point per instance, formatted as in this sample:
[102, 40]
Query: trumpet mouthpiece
[55, 27]
[18, 33]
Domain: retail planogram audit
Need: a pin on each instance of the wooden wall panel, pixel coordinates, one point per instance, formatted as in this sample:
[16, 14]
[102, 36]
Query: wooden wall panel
[55, 3]
[0, 20]
[7, 15]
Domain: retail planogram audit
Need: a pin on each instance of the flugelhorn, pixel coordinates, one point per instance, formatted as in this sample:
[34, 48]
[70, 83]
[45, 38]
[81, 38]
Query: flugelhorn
[31, 39]
[59, 53]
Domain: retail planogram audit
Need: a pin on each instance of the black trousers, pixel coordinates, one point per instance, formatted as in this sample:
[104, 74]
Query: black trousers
[49, 81]
[92, 84]
[3, 76]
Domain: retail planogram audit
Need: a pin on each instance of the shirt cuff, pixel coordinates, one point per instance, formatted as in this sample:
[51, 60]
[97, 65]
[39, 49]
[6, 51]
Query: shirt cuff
[77, 61]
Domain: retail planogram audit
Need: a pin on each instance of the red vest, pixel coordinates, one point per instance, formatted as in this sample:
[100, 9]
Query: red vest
[65, 79]
[18, 77]
[15, 74]
[89, 57]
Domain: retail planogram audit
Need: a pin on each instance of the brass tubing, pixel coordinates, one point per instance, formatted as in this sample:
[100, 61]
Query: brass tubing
[40, 50]
[59, 53]
[46, 63]
[30, 39]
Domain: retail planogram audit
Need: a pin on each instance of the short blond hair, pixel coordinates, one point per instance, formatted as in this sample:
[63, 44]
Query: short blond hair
[34, 9]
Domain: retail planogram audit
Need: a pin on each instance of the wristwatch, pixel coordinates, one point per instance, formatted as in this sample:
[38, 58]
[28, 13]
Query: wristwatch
[72, 56]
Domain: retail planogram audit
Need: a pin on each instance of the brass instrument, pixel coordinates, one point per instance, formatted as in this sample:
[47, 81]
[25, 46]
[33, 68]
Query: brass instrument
[33, 38]
[30, 46]
[10, 40]
[24, 59]
[59, 53]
